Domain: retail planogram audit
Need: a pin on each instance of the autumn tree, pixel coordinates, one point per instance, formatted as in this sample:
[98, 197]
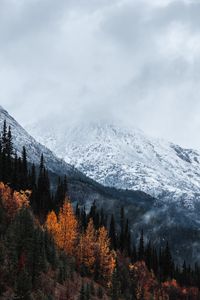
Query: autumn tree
[65, 228]
[68, 228]
[52, 225]
[13, 201]
[105, 257]
[86, 248]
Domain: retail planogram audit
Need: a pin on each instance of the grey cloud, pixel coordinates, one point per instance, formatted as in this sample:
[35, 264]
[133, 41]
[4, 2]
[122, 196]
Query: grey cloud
[103, 59]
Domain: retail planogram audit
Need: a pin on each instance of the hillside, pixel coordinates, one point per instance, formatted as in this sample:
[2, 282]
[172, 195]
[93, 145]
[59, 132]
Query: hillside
[119, 156]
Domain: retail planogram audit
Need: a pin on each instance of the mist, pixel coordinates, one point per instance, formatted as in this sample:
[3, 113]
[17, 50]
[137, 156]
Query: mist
[130, 61]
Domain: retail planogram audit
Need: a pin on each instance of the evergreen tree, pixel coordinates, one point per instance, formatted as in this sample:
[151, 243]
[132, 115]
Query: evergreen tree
[82, 292]
[116, 284]
[24, 169]
[43, 195]
[122, 229]
[87, 292]
[23, 285]
[167, 263]
[100, 293]
[92, 288]
[112, 233]
[60, 193]
[141, 247]
[149, 256]
[127, 239]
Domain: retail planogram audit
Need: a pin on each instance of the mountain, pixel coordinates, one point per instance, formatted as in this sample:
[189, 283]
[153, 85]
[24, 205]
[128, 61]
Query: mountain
[160, 220]
[82, 189]
[34, 149]
[126, 158]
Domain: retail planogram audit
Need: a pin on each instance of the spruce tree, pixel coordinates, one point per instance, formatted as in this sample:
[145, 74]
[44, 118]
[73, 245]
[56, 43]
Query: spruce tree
[82, 292]
[43, 195]
[23, 285]
[122, 229]
[141, 247]
[112, 233]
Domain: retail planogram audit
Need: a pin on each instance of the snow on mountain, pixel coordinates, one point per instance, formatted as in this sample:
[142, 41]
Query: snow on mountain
[118, 156]
[34, 149]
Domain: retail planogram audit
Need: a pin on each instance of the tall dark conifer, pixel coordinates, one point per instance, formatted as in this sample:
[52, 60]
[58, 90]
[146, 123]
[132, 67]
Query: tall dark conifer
[43, 195]
[121, 243]
[112, 233]
[141, 247]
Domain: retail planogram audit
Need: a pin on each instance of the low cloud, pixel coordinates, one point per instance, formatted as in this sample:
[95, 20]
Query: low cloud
[135, 61]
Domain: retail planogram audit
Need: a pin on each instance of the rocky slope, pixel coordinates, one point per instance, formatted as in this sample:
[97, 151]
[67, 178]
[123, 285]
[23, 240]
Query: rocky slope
[126, 158]
[119, 153]
[34, 149]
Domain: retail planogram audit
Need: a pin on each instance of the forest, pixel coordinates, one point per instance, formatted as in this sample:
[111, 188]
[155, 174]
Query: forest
[51, 248]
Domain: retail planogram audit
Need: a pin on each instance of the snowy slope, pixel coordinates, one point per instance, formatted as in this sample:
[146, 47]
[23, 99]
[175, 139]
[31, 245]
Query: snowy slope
[34, 149]
[121, 157]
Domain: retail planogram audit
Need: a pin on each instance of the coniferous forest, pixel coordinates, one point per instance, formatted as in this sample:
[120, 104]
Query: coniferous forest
[51, 248]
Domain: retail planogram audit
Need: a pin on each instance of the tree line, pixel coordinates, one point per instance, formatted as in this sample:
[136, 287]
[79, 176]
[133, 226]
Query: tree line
[15, 171]
[40, 231]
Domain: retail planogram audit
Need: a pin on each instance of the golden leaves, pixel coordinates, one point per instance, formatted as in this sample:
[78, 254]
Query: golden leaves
[13, 201]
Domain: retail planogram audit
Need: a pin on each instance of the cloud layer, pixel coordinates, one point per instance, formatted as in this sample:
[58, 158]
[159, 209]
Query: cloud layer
[134, 60]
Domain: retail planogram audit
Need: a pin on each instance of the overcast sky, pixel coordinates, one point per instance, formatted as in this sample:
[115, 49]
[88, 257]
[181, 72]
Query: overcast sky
[136, 60]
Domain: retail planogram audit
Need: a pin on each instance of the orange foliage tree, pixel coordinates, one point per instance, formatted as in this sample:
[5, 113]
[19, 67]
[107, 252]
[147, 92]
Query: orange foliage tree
[86, 248]
[64, 229]
[105, 257]
[13, 201]
[91, 249]
[52, 225]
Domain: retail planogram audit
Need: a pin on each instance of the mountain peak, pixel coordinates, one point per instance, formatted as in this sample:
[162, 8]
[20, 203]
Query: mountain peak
[124, 157]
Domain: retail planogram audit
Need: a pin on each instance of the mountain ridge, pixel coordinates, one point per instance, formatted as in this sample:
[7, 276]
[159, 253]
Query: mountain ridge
[116, 156]
[34, 149]
[160, 220]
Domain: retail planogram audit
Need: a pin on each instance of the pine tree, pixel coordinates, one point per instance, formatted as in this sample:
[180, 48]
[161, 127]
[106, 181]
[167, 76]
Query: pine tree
[116, 284]
[9, 143]
[167, 262]
[149, 256]
[112, 233]
[141, 247]
[92, 288]
[82, 292]
[43, 195]
[4, 137]
[60, 193]
[100, 293]
[87, 293]
[23, 285]
[127, 239]
[38, 258]
[122, 229]
[24, 169]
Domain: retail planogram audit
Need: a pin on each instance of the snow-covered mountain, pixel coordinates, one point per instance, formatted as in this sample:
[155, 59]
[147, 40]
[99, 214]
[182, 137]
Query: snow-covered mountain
[34, 149]
[122, 157]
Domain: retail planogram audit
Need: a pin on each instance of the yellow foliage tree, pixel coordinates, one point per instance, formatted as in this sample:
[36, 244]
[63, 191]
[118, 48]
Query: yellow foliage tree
[105, 257]
[52, 225]
[64, 229]
[86, 248]
[68, 228]
[13, 201]
[93, 249]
